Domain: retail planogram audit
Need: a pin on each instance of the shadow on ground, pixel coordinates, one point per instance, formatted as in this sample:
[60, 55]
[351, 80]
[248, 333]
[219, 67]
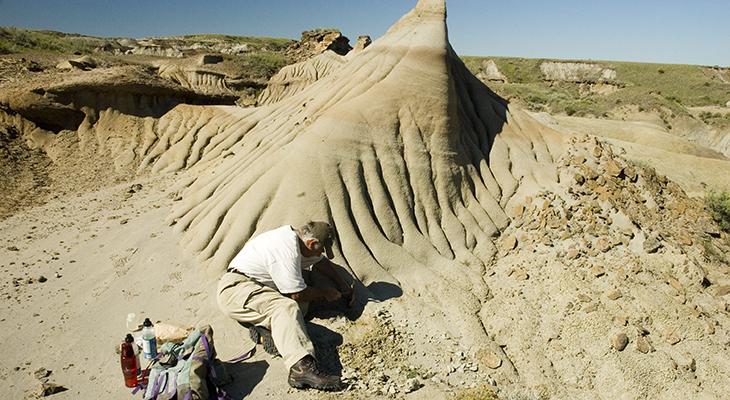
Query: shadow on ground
[246, 375]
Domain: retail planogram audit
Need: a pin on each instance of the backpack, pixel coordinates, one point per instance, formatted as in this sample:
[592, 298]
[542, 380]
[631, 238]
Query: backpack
[189, 370]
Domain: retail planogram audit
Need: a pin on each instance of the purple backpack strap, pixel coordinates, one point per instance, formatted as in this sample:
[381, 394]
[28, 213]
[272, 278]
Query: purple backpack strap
[242, 357]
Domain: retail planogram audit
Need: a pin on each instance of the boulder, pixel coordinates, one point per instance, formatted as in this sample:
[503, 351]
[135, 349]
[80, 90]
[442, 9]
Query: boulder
[489, 72]
[318, 41]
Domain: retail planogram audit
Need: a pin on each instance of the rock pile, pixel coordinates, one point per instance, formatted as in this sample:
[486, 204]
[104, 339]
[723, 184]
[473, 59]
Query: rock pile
[613, 280]
[317, 41]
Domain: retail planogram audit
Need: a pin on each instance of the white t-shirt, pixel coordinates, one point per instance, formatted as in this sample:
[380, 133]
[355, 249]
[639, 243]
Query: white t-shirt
[274, 259]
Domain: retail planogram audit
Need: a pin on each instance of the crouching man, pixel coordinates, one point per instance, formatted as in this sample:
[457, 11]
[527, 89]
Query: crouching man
[264, 288]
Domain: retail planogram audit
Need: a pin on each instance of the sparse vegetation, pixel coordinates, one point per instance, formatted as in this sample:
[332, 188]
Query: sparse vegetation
[649, 87]
[718, 203]
[14, 40]
[262, 65]
[482, 392]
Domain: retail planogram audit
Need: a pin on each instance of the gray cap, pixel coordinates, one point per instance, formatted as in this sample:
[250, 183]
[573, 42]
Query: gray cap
[324, 233]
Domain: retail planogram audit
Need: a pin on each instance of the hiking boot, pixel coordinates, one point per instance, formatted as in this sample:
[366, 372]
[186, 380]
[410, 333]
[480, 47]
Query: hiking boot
[305, 374]
[261, 335]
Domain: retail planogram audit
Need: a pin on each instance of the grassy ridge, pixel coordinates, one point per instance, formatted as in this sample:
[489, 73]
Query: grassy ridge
[666, 88]
[14, 40]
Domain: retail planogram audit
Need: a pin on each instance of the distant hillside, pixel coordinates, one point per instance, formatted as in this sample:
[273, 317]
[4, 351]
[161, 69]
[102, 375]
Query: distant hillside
[17, 40]
[607, 88]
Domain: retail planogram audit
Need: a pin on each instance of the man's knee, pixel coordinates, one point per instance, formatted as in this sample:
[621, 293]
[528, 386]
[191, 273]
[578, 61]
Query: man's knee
[289, 307]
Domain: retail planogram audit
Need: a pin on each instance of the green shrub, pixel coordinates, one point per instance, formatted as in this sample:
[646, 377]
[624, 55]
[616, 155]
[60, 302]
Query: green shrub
[718, 203]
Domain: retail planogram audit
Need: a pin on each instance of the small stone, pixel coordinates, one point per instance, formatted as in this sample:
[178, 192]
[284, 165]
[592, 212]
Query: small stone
[519, 274]
[684, 239]
[597, 151]
[710, 328]
[412, 385]
[673, 339]
[644, 345]
[491, 360]
[578, 160]
[652, 244]
[42, 373]
[598, 271]
[675, 283]
[603, 245]
[584, 298]
[518, 210]
[49, 388]
[42, 279]
[614, 295]
[13, 248]
[572, 254]
[613, 168]
[508, 243]
[620, 341]
[579, 179]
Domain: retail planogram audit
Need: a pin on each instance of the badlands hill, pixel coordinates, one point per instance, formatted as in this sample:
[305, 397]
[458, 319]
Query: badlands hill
[495, 252]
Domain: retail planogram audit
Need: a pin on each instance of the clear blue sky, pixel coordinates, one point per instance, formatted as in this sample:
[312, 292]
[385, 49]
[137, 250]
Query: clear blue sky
[665, 31]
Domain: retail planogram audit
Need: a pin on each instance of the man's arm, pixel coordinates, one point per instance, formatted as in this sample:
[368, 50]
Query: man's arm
[327, 268]
[313, 294]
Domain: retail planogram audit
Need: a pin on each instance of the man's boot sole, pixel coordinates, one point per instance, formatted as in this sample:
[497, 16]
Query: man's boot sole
[307, 385]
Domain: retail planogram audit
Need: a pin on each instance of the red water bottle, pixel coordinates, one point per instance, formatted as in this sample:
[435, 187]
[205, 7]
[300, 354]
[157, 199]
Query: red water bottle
[129, 362]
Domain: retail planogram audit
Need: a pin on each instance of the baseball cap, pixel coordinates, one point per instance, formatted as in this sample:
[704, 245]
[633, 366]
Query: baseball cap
[325, 234]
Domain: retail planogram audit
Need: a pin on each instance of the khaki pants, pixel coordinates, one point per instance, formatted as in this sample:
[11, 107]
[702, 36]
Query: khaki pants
[249, 302]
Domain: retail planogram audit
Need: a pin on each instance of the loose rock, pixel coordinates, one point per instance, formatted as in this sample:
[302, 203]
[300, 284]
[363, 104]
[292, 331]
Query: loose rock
[614, 295]
[492, 360]
[644, 345]
[620, 341]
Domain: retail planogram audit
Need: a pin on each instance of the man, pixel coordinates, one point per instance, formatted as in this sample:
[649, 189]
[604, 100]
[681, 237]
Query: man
[264, 287]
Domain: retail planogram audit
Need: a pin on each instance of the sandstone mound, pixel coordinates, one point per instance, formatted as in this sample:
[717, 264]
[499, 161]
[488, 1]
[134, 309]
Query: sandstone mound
[296, 77]
[411, 157]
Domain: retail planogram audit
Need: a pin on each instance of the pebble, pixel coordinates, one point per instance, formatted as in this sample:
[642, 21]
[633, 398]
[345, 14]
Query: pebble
[42, 279]
[519, 274]
[613, 168]
[509, 243]
[644, 345]
[598, 271]
[614, 295]
[620, 341]
[572, 254]
[603, 245]
[412, 385]
[492, 360]
[652, 244]
[673, 339]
